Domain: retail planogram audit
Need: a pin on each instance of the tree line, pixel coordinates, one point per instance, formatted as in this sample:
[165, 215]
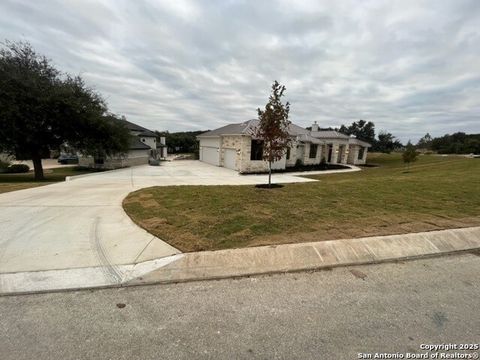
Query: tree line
[181, 142]
[457, 143]
[365, 130]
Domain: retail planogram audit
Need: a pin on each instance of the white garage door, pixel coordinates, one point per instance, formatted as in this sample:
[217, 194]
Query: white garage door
[210, 155]
[229, 158]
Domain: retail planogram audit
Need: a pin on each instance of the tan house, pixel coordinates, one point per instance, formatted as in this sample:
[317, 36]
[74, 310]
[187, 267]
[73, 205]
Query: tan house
[235, 147]
[144, 147]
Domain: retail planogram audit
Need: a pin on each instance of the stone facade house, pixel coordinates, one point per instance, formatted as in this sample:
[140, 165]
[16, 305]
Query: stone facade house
[143, 147]
[234, 146]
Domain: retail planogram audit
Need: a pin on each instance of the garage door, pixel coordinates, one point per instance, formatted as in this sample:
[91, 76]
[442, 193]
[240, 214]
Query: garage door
[229, 158]
[210, 155]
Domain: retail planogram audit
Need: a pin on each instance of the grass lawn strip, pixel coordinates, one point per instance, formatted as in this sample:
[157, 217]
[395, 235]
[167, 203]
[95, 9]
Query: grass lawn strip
[13, 182]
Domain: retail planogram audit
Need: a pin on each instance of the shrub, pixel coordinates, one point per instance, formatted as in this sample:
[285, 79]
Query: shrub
[323, 164]
[4, 165]
[18, 168]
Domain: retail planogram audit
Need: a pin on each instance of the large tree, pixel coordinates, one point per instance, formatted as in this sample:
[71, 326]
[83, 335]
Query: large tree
[386, 143]
[273, 127]
[425, 142]
[42, 109]
[362, 129]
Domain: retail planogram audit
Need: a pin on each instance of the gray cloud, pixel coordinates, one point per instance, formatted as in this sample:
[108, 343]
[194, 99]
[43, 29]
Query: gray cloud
[408, 66]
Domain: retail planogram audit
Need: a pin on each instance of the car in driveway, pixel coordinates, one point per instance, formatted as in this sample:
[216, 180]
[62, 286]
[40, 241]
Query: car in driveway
[68, 159]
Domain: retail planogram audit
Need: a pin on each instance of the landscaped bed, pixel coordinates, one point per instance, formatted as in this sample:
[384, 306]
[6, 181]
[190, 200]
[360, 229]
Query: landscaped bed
[303, 168]
[437, 193]
[12, 182]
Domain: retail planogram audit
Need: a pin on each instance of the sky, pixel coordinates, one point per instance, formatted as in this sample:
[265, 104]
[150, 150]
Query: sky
[411, 67]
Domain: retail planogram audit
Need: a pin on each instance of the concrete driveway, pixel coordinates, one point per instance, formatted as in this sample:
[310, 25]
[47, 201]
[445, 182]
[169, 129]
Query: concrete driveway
[81, 223]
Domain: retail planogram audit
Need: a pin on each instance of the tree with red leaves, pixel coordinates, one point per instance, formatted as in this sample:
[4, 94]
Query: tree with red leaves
[273, 127]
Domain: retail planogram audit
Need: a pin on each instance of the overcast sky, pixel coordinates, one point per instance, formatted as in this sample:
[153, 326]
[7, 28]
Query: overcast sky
[411, 67]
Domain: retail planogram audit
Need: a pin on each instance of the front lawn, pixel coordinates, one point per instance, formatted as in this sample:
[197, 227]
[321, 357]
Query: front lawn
[437, 193]
[12, 182]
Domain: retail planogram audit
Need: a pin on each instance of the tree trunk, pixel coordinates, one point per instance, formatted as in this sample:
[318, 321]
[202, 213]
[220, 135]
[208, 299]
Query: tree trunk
[37, 167]
[269, 174]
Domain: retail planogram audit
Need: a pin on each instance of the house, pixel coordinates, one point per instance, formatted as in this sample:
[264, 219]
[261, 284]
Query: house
[143, 148]
[234, 146]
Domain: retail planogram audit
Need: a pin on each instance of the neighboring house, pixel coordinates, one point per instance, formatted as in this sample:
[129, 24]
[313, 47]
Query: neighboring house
[235, 147]
[143, 147]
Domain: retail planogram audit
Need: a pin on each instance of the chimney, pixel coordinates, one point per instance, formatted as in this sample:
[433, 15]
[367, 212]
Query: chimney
[315, 126]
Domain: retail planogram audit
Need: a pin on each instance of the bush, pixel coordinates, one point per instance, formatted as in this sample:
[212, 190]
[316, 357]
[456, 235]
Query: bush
[4, 166]
[18, 168]
[323, 164]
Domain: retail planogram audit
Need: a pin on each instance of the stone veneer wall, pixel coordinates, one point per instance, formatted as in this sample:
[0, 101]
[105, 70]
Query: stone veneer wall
[294, 153]
[113, 163]
[353, 155]
[247, 165]
[306, 155]
[234, 142]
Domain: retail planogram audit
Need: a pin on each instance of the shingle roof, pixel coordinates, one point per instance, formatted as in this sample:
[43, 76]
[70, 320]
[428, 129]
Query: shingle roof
[248, 128]
[329, 134]
[136, 144]
[310, 139]
[356, 141]
[134, 127]
[302, 134]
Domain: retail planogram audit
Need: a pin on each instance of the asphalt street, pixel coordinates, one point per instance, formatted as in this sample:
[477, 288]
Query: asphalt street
[330, 314]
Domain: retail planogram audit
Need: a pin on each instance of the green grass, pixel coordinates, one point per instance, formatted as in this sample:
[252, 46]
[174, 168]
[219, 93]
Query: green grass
[12, 182]
[437, 193]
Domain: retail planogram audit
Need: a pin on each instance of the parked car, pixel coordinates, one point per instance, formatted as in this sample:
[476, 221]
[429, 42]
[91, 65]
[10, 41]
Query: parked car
[68, 159]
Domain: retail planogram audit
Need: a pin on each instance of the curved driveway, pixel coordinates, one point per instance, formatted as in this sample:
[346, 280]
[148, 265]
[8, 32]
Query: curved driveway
[81, 223]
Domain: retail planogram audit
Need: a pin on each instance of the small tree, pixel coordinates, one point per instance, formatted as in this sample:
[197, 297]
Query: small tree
[409, 155]
[41, 109]
[273, 127]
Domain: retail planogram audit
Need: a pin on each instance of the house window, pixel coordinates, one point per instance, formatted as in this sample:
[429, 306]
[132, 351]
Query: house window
[288, 153]
[143, 140]
[313, 151]
[256, 151]
[360, 153]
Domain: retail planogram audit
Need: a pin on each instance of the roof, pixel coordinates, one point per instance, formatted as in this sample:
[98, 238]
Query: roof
[310, 139]
[329, 134]
[136, 144]
[315, 137]
[356, 141]
[137, 128]
[248, 128]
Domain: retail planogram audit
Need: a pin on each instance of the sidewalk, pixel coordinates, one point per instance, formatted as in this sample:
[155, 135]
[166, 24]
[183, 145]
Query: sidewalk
[248, 261]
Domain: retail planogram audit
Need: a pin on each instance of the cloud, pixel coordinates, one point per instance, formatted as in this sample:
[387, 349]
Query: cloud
[409, 66]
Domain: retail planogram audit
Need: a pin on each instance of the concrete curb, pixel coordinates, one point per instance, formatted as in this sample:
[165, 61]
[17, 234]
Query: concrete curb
[209, 265]
[311, 256]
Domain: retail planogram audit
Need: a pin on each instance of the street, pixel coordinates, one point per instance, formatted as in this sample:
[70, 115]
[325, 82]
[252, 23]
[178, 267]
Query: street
[330, 314]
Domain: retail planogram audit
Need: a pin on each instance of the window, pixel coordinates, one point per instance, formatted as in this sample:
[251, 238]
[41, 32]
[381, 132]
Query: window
[288, 153]
[313, 151]
[256, 151]
[143, 140]
[360, 153]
